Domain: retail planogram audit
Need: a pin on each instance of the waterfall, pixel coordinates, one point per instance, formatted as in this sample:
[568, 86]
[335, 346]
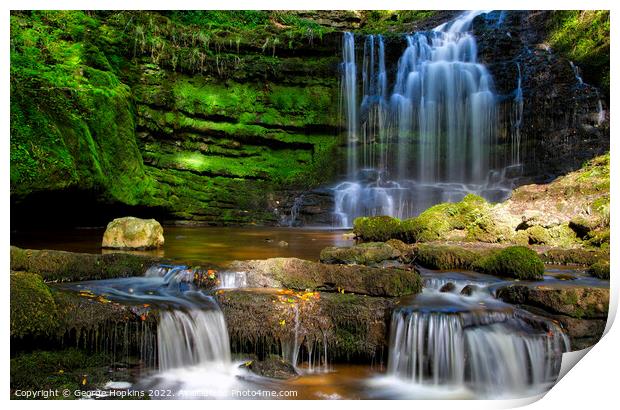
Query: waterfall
[495, 352]
[433, 139]
[577, 73]
[189, 338]
[349, 84]
[232, 280]
[516, 119]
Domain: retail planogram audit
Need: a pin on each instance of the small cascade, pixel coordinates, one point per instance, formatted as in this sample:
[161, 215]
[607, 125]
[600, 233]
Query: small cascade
[433, 285]
[577, 73]
[190, 338]
[429, 136]
[295, 208]
[290, 348]
[601, 112]
[232, 280]
[497, 352]
[516, 120]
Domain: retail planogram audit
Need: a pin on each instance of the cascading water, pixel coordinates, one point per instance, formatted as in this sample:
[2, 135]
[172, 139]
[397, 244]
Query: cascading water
[194, 337]
[475, 343]
[434, 139]
[232, 280]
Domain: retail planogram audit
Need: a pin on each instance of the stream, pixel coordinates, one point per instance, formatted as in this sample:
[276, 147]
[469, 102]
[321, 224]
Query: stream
[442, 344]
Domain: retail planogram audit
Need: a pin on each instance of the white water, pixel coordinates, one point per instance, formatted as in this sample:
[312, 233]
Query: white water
[195, 337]
[232, 280]
[448, 342]
[434, 138]
[495, 354]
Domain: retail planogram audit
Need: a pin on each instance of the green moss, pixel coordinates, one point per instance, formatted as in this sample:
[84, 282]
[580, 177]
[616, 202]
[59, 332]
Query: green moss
[376, 228]
[600, 269]
[583, 36]
[71, 118]
[445, 257]
[471, 217]
[33, 310]
[516, 262]
[537, 235]
[70, 369]
[398, 21]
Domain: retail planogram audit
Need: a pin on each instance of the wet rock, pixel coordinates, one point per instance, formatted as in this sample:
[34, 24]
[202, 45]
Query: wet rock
[301, 274]
[364, 254]
[273, 367]
[283, 244]
[133, 233]
[64, 266]
[585, 257]
[352, 327]
[448, 287]
[574, 301]
[469, 290]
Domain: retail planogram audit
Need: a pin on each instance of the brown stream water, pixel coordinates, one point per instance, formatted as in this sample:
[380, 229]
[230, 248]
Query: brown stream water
[215, 245]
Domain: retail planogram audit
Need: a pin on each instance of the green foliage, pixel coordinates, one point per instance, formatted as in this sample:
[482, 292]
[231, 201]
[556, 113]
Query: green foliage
[33, 310]
[398, 21]
[584, 37]
[376, 228]
[516, 262]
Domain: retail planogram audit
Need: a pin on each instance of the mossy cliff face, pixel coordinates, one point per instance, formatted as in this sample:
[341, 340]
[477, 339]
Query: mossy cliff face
[224, 117]
[199, 116]
[565, 120]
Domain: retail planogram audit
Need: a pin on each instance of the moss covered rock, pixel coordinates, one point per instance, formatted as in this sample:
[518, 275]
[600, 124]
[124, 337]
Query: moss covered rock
[33, 309]
[370, 253]
[301, 274]
[600, 269]
[444, 257]
[376, 228]
[64, 266]
[133, 233]
[516, 262]
[575, 301]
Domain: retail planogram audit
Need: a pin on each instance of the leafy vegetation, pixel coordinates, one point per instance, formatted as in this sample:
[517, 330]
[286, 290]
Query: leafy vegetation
[583, 36]
[398, 21]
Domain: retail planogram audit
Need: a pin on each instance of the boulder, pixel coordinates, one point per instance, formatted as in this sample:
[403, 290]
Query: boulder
[448, 288]
[469, 290]
[301, 274]
[575, 301]
[364, 254]
[273, 367]
[133, 233]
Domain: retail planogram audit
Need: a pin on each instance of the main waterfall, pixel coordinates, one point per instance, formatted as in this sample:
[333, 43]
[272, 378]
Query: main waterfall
[434, 139]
